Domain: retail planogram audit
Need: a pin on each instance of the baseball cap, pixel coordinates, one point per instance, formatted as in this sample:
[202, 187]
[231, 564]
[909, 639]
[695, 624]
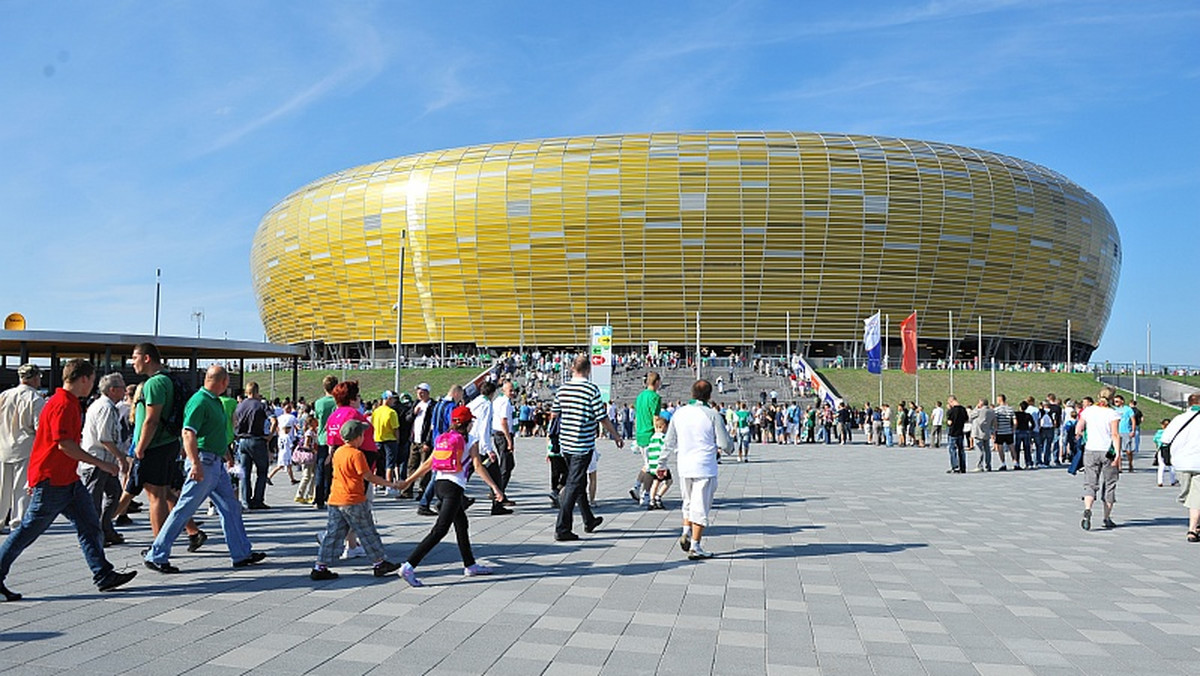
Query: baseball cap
[423, 386]
[352, 429]
[460, 414]
[387, 394]
[406, 397]
[665, 415]
[28, 371]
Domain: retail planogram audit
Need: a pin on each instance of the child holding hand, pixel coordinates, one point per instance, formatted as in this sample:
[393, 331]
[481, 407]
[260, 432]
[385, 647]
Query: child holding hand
[348, 508]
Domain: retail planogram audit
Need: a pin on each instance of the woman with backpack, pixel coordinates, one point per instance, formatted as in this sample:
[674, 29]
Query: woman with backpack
[455, 454]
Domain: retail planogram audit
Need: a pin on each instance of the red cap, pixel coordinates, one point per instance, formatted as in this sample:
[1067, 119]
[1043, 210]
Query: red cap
[461, 414]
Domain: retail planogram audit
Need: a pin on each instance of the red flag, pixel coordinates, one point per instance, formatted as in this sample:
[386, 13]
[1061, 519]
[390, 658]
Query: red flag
[908, 336]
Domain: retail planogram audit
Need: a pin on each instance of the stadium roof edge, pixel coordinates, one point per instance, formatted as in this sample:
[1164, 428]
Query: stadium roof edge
[41, 343]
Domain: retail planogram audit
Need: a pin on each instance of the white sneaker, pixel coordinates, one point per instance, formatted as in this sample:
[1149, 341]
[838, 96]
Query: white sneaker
[476, 570]
[353, 553]
[212, 510]
[410, 576]
[698, 552]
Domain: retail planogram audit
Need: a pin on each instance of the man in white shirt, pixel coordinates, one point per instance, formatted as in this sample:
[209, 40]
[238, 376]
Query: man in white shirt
[101, 439]
[1183, 435]
[696, 434]
[1101, 456]
[936, 418]
[19, 410]
[481, 427]
[418, 452]
[504, 425]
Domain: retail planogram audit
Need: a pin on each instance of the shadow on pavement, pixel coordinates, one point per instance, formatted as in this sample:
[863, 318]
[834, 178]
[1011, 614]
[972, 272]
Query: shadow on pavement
[819, 549]
[22, 636]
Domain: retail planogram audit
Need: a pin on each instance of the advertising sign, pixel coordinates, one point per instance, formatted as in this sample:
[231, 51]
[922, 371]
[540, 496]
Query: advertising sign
[601, 351]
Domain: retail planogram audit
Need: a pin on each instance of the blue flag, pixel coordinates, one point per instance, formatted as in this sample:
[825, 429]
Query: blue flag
[872, 344]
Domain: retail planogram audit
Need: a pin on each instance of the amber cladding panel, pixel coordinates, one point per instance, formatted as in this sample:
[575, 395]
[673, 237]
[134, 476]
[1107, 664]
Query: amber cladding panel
[650, 229]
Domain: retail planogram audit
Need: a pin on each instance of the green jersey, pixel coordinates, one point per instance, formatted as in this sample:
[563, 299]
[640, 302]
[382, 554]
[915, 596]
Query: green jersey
[323, 407]
[205, 415]
[653, 450]
[646, 409]
[159, 391]
[743, 419]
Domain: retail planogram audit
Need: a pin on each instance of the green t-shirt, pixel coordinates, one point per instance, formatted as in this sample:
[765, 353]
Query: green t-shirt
[205, 415]
[645, 409]
[230, 405]
[743, 419]
[157, 391]
[324, 407]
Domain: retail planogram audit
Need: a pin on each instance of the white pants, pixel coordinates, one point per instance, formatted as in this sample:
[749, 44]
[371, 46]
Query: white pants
[1169, 470]
[285, 451]
[698, 498]
[13, 498]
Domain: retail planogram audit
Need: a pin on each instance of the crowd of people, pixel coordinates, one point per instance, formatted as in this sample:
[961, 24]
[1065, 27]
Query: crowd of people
[95, 445]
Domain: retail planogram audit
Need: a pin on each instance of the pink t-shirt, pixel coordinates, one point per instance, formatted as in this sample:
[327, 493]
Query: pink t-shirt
[339, 418]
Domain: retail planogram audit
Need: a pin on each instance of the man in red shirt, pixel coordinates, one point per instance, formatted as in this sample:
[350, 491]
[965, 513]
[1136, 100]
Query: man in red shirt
[55, 486]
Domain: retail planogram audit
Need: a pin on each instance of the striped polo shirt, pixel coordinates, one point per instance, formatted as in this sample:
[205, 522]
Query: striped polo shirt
[1004, 419]
[580, 409]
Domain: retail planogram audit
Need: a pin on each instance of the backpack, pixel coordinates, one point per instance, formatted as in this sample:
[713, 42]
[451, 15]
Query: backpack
[447, 452]
[172, 416]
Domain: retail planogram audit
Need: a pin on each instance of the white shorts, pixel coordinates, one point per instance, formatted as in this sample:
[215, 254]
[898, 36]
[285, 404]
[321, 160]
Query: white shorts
[285, 451]
[595, 461]
[698, 498]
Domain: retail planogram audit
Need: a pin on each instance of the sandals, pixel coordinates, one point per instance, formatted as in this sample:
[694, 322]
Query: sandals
[1193, 536]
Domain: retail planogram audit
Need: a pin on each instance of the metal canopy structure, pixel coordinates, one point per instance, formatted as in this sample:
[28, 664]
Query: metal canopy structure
[109, 350]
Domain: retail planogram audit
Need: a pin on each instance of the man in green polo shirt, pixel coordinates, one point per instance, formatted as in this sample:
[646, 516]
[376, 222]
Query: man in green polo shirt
[206, 443]
[645, 409]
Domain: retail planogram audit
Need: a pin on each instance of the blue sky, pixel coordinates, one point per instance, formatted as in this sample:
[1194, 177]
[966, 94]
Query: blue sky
[136, 135]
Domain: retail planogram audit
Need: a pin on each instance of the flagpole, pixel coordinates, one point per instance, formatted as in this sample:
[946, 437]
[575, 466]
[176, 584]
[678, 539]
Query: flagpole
[979, 357]
[885, 357]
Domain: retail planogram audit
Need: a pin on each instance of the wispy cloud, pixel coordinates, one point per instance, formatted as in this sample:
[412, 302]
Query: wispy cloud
[367, 57]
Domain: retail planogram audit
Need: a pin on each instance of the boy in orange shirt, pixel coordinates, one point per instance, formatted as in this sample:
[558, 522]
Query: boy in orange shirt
[348, 508]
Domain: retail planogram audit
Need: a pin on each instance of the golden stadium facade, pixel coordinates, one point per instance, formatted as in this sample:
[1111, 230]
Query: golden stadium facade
[533, 242]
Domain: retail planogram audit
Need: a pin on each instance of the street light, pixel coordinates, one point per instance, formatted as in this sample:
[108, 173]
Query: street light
[198, 317]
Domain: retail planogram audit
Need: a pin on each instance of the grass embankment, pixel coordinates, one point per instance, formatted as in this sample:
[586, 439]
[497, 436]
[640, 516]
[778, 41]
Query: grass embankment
[858, 386]
[371, 382]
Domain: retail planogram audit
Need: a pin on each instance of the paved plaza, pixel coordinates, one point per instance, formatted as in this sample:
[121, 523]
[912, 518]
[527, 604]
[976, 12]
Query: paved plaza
[830, 560]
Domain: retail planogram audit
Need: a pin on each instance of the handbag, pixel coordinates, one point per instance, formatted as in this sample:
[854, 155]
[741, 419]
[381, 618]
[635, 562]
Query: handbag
[1165, 449]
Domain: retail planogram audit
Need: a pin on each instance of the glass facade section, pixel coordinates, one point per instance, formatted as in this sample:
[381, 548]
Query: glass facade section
[649, 229]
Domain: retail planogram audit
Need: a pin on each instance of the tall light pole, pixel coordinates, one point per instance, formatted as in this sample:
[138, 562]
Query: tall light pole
[157, 297]
[951, 348]
[1148, 366]
[399, 311]
[198, 317]
[1070, 364]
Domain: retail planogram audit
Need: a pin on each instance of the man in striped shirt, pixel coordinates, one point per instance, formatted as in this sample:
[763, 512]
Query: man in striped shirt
[581, 411]
[1005, 429]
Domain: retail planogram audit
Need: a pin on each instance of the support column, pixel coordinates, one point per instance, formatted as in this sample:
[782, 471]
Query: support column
[295, 378]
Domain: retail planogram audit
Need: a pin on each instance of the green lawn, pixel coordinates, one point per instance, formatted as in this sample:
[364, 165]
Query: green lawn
[858, 386]
[371, 383]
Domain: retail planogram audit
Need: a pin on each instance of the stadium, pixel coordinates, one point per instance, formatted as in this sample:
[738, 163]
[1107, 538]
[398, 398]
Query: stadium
[762, 236]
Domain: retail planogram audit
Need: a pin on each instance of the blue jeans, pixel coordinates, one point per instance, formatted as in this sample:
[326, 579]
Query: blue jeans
[47, 502]
[888, 435]
[958, 453]
[217, 486]
[252, 454]
[1045, 443]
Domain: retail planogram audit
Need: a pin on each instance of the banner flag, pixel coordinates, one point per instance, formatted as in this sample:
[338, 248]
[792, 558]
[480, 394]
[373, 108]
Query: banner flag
[908, 336]
[872, 345]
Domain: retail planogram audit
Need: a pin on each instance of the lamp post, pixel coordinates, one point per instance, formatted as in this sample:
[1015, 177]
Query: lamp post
[157, 297]
[198, 317]
[399, 307]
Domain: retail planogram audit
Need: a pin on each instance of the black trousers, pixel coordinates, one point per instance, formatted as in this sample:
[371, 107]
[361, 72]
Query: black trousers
[558, 473]
[575, 491]
[508, 461]
[322, 476]
[453, 512]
